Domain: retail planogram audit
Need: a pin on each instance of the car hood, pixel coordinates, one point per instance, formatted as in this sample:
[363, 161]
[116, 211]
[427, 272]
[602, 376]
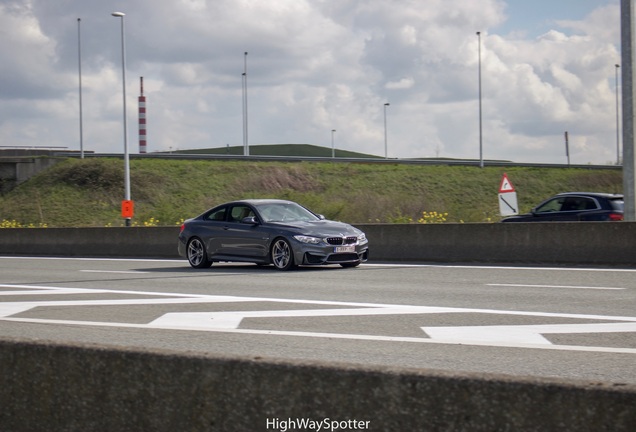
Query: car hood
[319, 228]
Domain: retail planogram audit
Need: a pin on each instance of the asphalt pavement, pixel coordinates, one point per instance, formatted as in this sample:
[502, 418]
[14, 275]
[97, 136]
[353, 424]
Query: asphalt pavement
[572, 323]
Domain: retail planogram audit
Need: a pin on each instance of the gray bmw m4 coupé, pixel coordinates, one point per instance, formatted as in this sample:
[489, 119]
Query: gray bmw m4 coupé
[278, 232]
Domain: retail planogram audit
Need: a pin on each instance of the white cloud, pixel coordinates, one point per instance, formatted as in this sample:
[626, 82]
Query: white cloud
[313, 66]
[404, 83]
[27, 56]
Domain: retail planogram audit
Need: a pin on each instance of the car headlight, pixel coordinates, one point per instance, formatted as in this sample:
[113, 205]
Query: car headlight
[307, 239]
[362, 238]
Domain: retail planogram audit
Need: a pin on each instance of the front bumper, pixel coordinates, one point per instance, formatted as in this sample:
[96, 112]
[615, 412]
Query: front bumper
[305, 254]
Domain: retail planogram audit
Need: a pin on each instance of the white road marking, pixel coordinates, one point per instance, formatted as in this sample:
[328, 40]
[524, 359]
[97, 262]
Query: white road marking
[113, 271]
[513, 336]
[367, 264]
[526, 334]
[555, 286]
[26, 292]
[341, 336]
[95, 259]
[216, 320]
[502, 267]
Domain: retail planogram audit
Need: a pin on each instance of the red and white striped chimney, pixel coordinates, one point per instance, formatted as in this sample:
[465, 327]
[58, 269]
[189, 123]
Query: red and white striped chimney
[142, 118]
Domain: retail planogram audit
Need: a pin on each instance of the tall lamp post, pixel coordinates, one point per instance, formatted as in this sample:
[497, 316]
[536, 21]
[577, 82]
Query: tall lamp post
[618, 145]
[246, 146]
[127, 208]
[386, 146]
[481, 154]
[79, 67]
[333, 147]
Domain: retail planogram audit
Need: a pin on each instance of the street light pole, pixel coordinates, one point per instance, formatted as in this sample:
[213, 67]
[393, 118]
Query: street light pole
[481, 154]
[243, 105]
[333, 148]
[618, 145]
[246, 145]
[126, 156]
[386, 146]
[79, 66]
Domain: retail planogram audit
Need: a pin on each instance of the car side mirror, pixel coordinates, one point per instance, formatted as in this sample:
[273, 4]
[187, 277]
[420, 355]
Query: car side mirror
[321, 217]
[250, 220]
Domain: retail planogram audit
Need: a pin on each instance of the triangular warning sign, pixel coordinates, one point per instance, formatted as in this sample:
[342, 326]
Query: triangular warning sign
[506, 186]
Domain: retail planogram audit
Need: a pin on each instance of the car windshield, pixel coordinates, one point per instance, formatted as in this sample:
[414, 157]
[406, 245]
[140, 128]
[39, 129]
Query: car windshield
[284, 212]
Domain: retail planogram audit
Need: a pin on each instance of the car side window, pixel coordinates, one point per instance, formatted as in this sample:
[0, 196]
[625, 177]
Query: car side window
[570, 204]
[239, 212]
[550, 206]
[590, 204]
[578, 204]
[218, 215]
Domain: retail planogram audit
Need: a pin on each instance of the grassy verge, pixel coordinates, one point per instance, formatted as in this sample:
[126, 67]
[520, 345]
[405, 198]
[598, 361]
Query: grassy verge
[78, 193]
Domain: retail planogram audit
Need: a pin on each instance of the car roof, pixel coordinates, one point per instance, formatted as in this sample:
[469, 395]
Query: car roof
[592, 194]
[261, 201]
[252, 202]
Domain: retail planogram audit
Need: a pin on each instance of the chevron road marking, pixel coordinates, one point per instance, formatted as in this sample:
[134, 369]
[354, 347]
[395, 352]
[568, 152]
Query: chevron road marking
[515, 336]
[526, 334]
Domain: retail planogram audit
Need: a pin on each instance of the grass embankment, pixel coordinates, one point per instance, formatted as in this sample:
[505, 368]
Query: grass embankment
[80, 193]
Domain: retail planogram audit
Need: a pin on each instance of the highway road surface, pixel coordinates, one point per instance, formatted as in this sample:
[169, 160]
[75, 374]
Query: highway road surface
[574, 323]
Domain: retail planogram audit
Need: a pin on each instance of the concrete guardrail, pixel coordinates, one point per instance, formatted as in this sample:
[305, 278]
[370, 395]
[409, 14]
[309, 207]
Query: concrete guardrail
[66, 387]
[576, 243]
[56, 387]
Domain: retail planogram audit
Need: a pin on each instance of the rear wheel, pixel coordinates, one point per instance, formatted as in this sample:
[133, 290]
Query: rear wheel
[282, 255]
[197, 255]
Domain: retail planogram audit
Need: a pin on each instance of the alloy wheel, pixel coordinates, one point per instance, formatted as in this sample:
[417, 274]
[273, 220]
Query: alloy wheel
[282, 257]
[196, 253]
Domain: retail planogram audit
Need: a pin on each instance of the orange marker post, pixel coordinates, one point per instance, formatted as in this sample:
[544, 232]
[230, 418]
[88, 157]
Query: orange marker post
[127, 209]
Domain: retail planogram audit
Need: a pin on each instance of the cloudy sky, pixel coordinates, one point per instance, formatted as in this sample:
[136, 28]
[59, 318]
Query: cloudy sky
[548, 66]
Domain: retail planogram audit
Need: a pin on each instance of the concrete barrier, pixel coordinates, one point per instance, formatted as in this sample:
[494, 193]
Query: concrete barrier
[55, 387]
[146, 242]
[576, 243]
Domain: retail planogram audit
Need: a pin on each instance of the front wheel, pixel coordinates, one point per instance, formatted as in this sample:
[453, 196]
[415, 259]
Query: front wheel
[282, 255]
[197, 255]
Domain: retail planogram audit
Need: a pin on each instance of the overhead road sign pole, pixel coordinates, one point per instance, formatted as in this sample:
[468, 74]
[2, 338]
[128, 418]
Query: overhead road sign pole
[627, 75]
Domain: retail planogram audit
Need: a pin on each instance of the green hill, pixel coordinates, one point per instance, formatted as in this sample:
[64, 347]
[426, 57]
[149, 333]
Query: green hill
[299, 150]
[88, 192]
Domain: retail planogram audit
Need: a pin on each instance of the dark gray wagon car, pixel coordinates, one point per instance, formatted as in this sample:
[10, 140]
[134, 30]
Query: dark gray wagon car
[278, 232]
[575, 207]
